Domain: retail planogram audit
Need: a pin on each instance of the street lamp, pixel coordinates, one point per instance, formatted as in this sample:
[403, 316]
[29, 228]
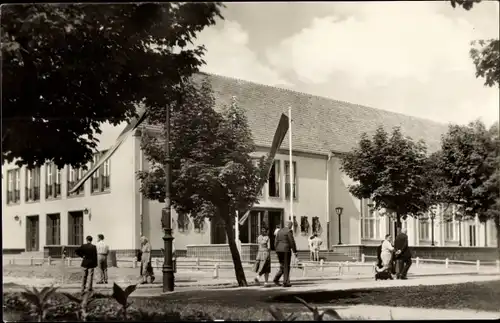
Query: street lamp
[339, 210]
[166, 216]
[432, 230]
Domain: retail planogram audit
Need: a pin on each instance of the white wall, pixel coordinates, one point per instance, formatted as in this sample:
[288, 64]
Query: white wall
[112, 214]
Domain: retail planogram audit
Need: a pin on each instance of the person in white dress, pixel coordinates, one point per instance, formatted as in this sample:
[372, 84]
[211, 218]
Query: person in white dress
[386, 252]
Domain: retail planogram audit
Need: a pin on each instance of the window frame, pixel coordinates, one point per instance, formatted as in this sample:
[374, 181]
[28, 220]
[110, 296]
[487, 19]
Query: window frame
[287, 180]
[13, 186]
[276, 166]
[52, 181]
[101, 178]
[371, 220]
[75, 238]
[72, 180]
[52, 233]
[33, 177]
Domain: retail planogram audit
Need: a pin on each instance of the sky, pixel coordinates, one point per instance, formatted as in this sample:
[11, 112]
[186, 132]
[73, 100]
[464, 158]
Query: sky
[406, 57]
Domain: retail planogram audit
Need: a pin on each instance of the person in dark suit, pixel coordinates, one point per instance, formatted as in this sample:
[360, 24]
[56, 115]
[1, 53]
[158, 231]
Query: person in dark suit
[284, 245]
[88, 252]
[403, 255]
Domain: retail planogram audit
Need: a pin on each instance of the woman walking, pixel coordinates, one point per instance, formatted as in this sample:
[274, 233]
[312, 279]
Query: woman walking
[263, 260]
[146, 268]
[386, 252]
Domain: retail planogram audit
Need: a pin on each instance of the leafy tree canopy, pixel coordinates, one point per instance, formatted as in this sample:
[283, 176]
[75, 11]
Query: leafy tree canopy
[485, 53]
[392, 171]
[469, 163]
[213, 172]
[68, 68]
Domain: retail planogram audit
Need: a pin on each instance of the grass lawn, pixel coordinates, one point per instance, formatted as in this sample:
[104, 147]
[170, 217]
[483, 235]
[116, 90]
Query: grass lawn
[253, 304]
[481, 296]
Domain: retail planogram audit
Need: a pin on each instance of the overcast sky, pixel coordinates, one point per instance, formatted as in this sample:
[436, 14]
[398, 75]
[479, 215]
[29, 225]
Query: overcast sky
[407, 57]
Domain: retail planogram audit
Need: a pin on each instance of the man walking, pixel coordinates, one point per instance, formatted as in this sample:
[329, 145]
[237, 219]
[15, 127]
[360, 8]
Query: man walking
[89, 254]
[102, 258]
[284, 244]
[403, 255]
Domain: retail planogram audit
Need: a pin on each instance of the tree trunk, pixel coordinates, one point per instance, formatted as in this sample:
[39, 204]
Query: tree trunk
[235, 254]
[397, 225]
[497, 226]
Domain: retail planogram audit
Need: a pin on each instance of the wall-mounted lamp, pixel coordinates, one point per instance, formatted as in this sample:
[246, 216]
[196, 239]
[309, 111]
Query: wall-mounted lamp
[16, 218]
[87, 212]
[339, 211]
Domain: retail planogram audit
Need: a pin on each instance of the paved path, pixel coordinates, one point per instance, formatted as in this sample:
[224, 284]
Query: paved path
[410, 313]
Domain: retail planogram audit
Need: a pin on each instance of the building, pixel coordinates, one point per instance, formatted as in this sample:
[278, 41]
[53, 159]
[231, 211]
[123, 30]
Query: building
[38, 212]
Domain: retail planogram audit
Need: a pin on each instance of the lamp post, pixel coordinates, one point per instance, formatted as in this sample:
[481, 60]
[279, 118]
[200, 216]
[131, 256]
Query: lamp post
[339, 210]
[166, 216]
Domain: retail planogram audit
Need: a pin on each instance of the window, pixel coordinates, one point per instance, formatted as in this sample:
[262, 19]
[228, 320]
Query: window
[101, 177]
[75, 228]
[13, 186]
[53, 229]
[182, 222]
[52, 181]
[370, 222]
[74, 175]
[257, 165]
[33, 184]
[287, 179]
[274, 179]
[449, 231]
[424, 229]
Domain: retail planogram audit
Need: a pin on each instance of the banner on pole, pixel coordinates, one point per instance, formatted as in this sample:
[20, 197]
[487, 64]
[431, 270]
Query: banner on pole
[134, 123]
[279, 136]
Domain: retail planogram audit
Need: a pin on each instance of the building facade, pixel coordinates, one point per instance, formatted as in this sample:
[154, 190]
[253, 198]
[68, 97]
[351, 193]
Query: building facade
[38, 211]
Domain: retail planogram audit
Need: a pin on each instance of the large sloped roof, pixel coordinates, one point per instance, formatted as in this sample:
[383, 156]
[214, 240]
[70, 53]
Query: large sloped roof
[320, 124]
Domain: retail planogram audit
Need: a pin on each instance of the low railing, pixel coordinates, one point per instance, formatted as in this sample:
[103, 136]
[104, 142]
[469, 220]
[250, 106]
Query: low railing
[447, 262]
[198, 264]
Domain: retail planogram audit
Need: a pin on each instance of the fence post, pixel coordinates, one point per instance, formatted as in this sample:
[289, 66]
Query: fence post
[134, 263]
[321, 264]
[157, 262]
[446, 263]
[340, 268]
[498, 265]
[69, 261]
[363, 258]
[216, 271]
[197, 263]
[417, 262]
[347, 266]
[31, 261]
[304, 270]
[49, 260]
[478, 264]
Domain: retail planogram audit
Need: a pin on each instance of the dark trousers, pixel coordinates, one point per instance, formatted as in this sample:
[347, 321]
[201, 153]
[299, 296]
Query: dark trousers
[402, 267]
[102, 263]
[284, 259]
[88, 274]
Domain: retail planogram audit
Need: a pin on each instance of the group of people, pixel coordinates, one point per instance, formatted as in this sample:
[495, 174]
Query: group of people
[284, 246]
[97, 256]
[394, 259]
[93, 256]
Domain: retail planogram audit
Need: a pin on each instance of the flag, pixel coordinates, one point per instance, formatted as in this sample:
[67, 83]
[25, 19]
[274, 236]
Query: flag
[279, 135]
[134, 123]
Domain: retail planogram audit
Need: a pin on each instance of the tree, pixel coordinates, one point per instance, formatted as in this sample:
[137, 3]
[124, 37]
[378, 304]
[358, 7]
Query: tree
[391, 172]
[68, 68]
[469, 162]
[213, 173]
[486, 55]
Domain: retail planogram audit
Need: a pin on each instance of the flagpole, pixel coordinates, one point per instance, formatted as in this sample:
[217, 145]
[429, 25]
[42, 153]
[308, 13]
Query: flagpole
[290, 163]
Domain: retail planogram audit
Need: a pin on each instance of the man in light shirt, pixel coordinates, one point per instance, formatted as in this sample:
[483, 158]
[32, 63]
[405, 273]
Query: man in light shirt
[102, 258]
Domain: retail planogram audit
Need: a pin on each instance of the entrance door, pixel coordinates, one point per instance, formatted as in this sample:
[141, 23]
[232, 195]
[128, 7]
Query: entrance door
[275, 220]
[32, 233]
